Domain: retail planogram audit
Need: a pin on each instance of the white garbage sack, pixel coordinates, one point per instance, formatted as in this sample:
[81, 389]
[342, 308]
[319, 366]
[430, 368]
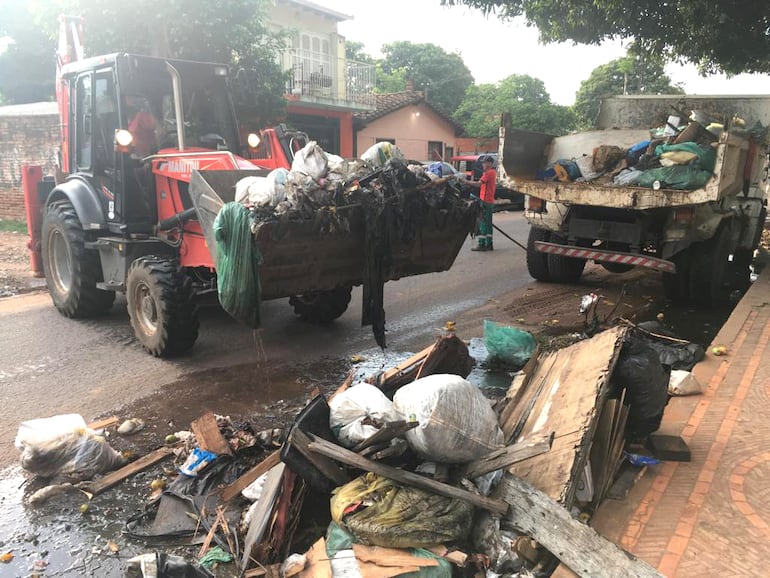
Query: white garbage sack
[683, 383]
[311, 160]
[336, 164]
[63, 445]
[262, 191]
[586, 166]
[379, 154]
[457, 424]
[354, 413]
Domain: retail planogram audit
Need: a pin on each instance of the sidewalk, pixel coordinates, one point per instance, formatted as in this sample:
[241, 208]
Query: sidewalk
[711, 516]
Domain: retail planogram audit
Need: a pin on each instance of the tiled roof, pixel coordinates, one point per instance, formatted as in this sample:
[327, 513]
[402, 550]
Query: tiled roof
[393, 101]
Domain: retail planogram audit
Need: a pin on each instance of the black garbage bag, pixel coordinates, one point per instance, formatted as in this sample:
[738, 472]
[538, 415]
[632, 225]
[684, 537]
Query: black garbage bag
[645, 379]
[673, 355]
[162, 565]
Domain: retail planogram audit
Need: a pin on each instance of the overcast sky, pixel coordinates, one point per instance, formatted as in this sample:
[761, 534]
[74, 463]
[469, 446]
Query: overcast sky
[493, 49]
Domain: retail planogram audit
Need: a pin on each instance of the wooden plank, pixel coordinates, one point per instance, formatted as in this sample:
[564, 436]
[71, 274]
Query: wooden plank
[208, 436]
[578, 546]
[390, 556]
[575, 383]
[229, 492]
[387, 432]
[263, 512]
[345, 456]
[669, 448]
[103, 423]
[318, 565]
[508, 456]
[345, 385]
[114, 478]
[300, 440]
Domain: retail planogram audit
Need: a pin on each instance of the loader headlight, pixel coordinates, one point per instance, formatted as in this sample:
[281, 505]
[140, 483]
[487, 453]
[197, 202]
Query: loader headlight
[123, 138]
[253, 140]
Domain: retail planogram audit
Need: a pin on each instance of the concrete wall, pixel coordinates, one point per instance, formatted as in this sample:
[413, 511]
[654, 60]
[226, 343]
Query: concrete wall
[410, 131]
[29, 134]
[473, 146]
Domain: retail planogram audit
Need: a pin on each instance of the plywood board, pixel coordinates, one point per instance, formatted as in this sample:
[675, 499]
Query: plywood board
[566, 392]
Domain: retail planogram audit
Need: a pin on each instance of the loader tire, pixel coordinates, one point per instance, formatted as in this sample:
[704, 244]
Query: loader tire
[564, 269]
[537, 262]
[71, 270]
[616, 267]
[321, 306]
[160, 306]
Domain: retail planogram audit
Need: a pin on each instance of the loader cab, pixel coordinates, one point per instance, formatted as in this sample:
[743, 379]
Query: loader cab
[123, 111]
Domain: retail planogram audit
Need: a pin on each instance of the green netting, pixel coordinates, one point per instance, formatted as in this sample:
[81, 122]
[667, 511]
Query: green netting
[238, 261]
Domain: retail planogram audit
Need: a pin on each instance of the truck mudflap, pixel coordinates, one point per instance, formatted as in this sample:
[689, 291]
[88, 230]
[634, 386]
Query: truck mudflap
[607, 256]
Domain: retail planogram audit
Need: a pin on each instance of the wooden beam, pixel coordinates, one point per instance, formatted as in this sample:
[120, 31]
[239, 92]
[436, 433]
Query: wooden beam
[301, 441]
[508, 456]
[345, 456]
[387, 432]
[229, 492]
[262, 512]
[103, 423]
[208, 436]
[578, 546]
[114, 478]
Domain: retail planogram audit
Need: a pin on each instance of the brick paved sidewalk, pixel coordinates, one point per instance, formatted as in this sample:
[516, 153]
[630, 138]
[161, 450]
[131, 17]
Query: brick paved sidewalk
[711, 516]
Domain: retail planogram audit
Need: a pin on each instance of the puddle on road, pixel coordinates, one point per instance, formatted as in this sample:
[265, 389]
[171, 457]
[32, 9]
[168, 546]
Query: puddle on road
[57, 540]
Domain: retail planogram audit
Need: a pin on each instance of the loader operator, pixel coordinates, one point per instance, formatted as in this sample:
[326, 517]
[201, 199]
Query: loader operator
[142, 126]
[487, 185]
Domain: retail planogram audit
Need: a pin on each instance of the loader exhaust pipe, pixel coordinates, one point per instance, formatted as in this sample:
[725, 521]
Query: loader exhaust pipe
[176, 83]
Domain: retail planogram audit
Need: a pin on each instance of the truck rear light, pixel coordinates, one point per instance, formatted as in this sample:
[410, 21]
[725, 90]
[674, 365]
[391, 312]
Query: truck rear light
[684, 215]
[536, 205]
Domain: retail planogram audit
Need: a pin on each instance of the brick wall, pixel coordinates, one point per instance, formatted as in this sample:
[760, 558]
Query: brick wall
[471, 145]
[25, 139]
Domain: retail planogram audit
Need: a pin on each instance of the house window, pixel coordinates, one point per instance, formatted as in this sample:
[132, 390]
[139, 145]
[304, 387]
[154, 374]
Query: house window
[435, 150]
[450, 152]
[390, 140]
[314, 60]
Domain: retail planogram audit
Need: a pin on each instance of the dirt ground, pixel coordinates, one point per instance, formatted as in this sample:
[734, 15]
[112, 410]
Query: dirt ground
[15, 274]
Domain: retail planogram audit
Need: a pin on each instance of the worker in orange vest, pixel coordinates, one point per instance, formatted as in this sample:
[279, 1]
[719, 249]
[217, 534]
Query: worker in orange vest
[487, 185]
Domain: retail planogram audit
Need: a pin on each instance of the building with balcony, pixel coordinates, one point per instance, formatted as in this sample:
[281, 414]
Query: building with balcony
[324, 89]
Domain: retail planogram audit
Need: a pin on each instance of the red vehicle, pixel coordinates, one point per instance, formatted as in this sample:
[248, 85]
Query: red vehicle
[134, 128]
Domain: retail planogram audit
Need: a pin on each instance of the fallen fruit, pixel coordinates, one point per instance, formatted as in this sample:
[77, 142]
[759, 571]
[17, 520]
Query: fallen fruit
[719, 350]
[660, 316]
[6, 558]
[84, 508]
[171, 439]
[158, 484]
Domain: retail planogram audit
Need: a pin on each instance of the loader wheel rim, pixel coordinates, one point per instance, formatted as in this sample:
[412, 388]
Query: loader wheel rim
[61, 261]
[146, 309]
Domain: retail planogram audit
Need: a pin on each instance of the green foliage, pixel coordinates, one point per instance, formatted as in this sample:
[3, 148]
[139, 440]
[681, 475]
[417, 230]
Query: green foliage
[443, 76]
[524, 97]
[717, 36]
[355, 51]
[635, 73]
[233, 32]
[13, 226]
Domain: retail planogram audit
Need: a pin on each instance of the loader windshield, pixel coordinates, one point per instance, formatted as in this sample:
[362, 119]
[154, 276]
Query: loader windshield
[147, 95]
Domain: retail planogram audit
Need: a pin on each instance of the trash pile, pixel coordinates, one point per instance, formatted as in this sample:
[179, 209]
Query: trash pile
[380, 198]
[409, 472]
[678, 156]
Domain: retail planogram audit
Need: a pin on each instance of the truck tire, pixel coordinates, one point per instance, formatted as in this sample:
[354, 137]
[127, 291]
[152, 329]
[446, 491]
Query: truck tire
[537, 262]
[564, 269]
[676, 286]
[71, 270]
[160, 307]
[710, 281]
[321, 306]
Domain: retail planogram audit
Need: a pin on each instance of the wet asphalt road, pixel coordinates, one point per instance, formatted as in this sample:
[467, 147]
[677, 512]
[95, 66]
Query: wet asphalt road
[51, 365]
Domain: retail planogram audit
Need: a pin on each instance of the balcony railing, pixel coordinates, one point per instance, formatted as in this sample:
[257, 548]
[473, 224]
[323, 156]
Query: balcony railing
[336, 82]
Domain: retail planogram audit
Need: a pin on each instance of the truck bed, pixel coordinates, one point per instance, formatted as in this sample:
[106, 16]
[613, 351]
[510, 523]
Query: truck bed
[523, 153]
[298, 257]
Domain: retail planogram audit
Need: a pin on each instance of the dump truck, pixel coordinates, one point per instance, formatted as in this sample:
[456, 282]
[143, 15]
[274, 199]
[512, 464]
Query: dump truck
[701, 239]
[141, 138]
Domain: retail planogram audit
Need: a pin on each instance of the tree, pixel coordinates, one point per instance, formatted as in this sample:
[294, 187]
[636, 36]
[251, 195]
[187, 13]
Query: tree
[355, 51]
[635, 73]
[233, 32]
[717, 36]
[521, 95]
[443, 76]
[27, 66]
